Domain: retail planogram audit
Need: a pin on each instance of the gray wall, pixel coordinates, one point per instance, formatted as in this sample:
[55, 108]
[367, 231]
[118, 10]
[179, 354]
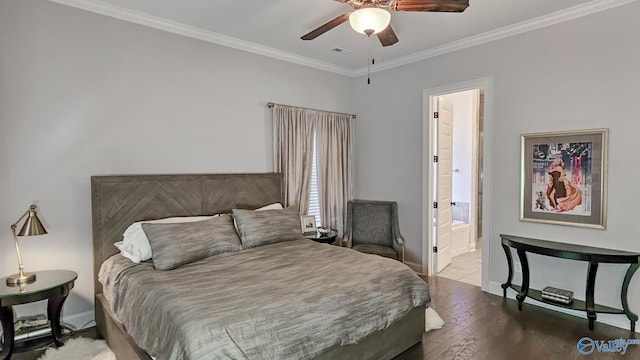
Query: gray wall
[83, 94]
[580, 74]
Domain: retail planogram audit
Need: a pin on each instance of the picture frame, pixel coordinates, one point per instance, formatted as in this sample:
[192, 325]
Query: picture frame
[563, 178]
[308, 224]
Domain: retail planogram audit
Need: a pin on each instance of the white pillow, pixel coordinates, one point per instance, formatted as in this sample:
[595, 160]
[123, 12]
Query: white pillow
[274, 206]
[135, 245]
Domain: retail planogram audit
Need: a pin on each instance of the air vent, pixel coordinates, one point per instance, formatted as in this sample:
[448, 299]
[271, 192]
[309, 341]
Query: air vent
[340, 50]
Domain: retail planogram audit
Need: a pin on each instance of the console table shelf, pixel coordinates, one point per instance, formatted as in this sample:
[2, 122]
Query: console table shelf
[593, 255]
[575, 305]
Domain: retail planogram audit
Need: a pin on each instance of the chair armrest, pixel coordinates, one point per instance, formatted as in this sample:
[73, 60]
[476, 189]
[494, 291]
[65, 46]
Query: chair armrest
[398, 240]
[398, 246]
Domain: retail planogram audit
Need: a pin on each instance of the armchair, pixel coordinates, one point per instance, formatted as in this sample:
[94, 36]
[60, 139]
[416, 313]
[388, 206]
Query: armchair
[372, 227]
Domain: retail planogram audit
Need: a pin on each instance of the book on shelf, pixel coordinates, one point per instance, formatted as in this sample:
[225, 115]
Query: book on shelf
[557, 295]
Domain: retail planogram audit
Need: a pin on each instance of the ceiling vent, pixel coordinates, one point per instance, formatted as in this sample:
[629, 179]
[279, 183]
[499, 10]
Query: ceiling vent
[340, 50]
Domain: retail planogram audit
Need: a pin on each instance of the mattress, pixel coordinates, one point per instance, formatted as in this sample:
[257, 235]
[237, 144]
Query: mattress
[290, 300]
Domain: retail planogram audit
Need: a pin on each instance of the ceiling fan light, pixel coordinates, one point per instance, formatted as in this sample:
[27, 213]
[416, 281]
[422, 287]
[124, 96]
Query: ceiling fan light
[369, 20]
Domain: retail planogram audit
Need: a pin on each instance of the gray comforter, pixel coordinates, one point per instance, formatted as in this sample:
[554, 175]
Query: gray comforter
[290, 300]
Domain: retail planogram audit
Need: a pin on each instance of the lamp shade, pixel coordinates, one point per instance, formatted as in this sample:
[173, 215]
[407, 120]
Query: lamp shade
[369, 20]
[32, 226]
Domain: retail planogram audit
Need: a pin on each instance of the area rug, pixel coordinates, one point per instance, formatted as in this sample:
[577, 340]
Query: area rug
[432, 320]
[80, 349]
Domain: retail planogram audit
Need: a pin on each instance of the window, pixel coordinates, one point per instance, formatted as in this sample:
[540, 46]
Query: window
[314, 197]
[321, 142]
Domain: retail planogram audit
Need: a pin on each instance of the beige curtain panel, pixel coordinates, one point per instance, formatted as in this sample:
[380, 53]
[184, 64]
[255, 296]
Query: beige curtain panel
[293, 153]
[294, 129]
[333, 147]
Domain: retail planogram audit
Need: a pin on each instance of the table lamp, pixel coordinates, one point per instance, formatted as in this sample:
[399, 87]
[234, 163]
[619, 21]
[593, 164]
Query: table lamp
[32, 226]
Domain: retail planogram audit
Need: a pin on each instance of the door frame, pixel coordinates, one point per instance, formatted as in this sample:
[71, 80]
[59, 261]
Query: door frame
[486, 86]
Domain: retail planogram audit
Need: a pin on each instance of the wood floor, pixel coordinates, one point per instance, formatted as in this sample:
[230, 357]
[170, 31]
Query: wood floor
[482, 326]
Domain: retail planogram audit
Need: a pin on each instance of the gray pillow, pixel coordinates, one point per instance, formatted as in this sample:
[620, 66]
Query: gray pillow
[264, 227]
[174, 245]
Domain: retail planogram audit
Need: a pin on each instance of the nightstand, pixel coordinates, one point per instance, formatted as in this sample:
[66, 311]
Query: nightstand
[330, 238]
[52, 285]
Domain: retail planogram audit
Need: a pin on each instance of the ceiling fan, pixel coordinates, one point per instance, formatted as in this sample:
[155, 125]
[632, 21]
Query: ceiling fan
[371, 17]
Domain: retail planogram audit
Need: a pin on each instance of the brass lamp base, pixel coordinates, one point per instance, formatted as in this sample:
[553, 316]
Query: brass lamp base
[18, 279]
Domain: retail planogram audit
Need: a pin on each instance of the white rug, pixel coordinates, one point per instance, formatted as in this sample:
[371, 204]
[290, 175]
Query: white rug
[80, 349]
[432, 320]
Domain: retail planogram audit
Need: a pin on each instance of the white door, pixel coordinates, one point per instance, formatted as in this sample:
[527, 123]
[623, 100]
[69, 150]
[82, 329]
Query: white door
[444, 214]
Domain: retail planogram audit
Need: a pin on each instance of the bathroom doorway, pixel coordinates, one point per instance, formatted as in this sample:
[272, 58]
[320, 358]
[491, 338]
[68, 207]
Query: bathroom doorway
[457, 142]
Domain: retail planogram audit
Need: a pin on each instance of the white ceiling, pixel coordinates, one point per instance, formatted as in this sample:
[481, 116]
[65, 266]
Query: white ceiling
[274, 27]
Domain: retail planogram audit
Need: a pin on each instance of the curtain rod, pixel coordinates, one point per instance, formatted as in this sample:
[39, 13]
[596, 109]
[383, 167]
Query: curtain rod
[272, 104]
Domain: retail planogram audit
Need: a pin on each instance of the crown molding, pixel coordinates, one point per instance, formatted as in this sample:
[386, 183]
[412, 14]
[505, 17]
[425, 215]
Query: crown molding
[103, 8]
[497, 34]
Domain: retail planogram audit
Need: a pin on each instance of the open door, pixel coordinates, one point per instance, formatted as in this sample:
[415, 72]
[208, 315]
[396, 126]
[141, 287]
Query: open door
[443, 212]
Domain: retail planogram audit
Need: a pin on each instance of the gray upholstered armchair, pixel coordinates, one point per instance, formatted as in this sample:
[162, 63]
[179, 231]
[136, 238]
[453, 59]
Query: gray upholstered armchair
[372, 227]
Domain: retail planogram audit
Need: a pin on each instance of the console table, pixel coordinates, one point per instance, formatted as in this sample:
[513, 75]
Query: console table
[593, 255]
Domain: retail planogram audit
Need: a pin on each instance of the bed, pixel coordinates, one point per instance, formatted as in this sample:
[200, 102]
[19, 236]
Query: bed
[118, 201]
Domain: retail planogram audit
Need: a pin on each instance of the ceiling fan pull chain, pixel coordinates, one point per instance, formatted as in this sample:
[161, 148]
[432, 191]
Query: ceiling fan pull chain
[373, 52]
[372, 62]
[369, 56]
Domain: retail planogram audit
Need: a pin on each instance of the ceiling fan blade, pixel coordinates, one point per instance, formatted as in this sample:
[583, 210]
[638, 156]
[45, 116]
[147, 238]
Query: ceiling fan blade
[387, 36]
[431, 5]
[326, 27]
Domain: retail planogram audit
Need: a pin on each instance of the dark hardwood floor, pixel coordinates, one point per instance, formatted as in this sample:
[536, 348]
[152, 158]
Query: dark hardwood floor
[482, 326]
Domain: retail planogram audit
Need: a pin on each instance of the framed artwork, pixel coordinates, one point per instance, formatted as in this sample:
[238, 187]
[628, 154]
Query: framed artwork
[308, 224]
[563, 178]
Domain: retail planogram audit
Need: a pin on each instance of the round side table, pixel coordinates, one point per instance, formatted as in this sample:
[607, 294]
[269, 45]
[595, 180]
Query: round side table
[52, 285]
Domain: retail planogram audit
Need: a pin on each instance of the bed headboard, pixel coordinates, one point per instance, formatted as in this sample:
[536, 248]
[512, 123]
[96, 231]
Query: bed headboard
[118, 201]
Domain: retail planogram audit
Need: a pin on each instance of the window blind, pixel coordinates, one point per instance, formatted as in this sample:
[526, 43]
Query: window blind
[314, 197]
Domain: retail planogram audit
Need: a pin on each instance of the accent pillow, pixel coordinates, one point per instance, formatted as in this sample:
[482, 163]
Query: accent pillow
[135, 245]
[257, 228]
[174, 245]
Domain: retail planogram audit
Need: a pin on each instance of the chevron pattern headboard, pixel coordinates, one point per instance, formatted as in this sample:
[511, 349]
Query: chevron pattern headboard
[118, 201]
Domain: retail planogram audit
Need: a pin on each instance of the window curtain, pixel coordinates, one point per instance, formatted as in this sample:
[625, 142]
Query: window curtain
[334, 152]
[294, 130]
[293, 153]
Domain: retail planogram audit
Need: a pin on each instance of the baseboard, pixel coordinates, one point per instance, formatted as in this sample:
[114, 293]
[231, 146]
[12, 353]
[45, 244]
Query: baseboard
[616, 320]
[80, 320]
